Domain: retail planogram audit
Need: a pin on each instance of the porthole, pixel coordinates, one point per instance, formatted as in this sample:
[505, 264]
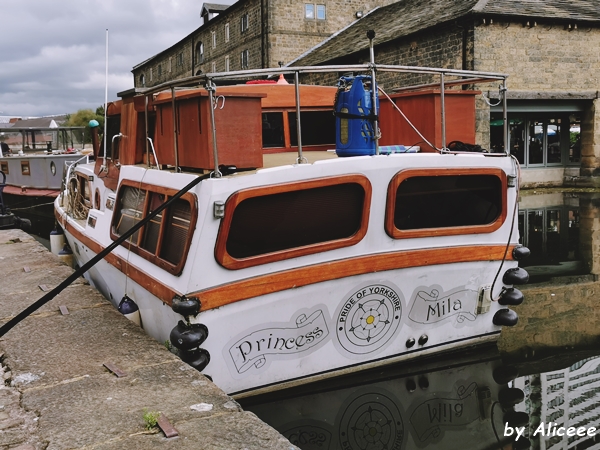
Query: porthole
[52, 168]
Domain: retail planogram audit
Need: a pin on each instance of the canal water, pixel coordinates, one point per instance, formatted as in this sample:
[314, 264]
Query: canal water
[541, 378]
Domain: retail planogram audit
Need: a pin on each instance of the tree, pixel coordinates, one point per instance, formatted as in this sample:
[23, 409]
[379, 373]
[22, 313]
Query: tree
[82, 119]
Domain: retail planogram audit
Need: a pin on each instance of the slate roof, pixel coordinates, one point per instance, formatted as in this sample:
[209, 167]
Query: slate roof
[215, 7]
[410, 16]
[41, 122]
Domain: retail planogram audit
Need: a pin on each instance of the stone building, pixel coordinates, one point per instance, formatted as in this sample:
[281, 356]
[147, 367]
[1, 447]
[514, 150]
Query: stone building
[251, 34]
[549, 48]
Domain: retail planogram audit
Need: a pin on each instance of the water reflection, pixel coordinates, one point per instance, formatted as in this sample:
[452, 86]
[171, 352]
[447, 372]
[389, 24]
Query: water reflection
[461, 401]
[544, 370]
[558, 226]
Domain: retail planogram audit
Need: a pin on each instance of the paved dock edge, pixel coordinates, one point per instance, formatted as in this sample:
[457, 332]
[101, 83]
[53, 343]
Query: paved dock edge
[58, 394]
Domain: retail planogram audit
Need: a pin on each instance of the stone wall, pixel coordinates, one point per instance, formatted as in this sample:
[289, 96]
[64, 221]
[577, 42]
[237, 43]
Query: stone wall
[546, 57]
[291, 33]
[277, 31]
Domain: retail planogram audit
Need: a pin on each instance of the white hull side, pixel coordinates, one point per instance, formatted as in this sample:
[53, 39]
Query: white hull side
[238, 329]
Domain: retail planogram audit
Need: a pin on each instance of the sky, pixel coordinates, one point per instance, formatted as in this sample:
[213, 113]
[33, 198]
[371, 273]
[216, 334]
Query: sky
[52, 53]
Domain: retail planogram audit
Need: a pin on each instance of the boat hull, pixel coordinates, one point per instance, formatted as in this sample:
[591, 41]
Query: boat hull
[323, 329]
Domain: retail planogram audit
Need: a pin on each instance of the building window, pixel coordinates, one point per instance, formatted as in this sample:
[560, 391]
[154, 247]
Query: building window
[539, 139]
[244, 22]
[227, 64]
[226, 32]
[170, 64]
[150, 73]
[142, 80]
[213, 36]
[179, 60]
[199, 53]
[213, 67]
[321, 12]
[309, 11]
[245, 58]
[312, 11]
[159, 70]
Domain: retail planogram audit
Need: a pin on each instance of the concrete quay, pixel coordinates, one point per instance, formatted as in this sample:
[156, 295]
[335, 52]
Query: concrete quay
[58, 394]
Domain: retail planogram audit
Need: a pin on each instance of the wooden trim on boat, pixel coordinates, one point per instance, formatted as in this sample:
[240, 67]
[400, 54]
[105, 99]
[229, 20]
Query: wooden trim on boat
[229, 262]
[333, 270]
[151, 284]
[266, 284]
[136, 248]
[401, 176]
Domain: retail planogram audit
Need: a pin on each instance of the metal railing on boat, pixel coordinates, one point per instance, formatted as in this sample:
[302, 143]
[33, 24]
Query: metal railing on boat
[207, 80]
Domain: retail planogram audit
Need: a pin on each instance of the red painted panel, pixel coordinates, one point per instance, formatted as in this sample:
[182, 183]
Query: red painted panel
[423, 109]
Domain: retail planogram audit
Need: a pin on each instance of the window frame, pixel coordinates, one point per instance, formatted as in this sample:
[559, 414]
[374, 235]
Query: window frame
[25, 168]
[245, 52]
[395, 233]
[213, 39]
[307, 7]
[199, 52]
[227, 63]
[317, 12]
[229, 262]
[244, 22]
[136, 247]
[227, 32]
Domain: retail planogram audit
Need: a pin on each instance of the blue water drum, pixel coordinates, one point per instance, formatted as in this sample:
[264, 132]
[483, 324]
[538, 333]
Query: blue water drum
[354, 117]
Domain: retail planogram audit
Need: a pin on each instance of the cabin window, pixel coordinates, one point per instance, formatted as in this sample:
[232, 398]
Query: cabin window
[263, 225]
[165, 239]
[4, 167]
[130, 211]
[25, 168]
[272, 130]
[446, 202]
[318, 128]
[176, 235]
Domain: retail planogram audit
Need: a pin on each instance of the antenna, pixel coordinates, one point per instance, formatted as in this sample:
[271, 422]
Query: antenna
[104, 167]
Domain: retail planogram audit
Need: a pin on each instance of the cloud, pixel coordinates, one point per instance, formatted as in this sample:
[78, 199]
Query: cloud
[53, 53]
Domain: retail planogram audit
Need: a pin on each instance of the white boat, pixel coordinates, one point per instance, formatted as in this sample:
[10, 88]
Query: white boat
[308, 267]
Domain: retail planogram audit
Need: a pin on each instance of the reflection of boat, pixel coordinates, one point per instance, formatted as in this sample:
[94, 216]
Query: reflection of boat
[7, 219]
[460, 403]
[296, 271]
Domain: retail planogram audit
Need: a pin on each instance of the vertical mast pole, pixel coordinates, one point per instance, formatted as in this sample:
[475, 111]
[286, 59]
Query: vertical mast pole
[298, 124]
[105, 98]
[443, 108]
[371, 36]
